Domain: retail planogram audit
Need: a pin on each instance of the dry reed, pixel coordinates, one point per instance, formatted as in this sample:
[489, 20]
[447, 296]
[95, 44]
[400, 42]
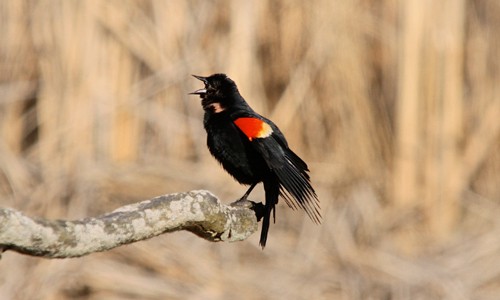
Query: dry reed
[394, 104]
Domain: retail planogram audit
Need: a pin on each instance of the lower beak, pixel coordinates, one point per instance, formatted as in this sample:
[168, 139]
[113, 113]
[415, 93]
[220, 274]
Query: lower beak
[199, 92]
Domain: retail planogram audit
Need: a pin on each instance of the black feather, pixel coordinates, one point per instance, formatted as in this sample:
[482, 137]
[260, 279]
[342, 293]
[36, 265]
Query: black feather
[255, 158]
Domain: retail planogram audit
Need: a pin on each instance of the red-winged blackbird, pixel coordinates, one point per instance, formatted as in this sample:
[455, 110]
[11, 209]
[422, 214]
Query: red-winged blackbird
[252, 149]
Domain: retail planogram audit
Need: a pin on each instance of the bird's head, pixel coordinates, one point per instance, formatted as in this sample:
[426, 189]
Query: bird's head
[219, 93]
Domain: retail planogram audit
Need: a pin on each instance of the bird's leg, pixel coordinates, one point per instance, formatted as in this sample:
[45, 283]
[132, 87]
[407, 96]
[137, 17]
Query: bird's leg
[244, 197]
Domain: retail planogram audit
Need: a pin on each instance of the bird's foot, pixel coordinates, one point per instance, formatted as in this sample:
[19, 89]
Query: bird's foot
[243, 202]
[257, 207]
[259, 210]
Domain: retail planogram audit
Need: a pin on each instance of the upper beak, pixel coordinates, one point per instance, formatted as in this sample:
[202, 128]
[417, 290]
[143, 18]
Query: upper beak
[204, 79]
[200, 91]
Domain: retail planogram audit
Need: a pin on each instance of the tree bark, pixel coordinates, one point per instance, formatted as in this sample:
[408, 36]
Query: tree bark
[199, 212]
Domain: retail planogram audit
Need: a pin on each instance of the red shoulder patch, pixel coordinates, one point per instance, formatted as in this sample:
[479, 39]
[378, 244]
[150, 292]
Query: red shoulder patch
[253, 128]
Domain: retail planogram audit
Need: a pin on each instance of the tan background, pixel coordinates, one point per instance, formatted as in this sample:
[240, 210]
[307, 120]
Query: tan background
[395, 105]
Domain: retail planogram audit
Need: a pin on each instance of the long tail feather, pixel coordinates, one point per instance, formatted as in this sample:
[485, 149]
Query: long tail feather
[272, 189]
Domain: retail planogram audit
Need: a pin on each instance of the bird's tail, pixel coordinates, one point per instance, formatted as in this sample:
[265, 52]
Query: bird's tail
[272, 190]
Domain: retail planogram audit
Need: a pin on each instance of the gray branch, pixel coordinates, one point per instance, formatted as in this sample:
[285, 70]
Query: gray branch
[197, 211]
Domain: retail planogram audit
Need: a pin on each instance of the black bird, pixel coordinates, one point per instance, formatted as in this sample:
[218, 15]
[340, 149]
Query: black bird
[252, 149]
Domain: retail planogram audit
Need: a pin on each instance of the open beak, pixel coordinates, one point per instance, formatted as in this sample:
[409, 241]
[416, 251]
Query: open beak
[200, 91]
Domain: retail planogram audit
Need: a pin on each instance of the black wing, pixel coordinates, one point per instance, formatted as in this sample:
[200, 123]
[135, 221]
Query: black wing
[290, 169]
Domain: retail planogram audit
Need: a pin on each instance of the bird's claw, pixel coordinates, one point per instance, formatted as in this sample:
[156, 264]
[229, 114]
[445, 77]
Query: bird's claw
[243, 202]
[257, 207]
[259, 210]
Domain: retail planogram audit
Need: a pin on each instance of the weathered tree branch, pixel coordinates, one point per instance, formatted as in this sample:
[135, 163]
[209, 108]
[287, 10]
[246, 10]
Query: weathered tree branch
[197, 211]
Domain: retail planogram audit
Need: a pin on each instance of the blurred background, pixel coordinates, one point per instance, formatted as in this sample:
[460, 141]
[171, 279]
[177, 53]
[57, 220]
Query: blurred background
[395, 105]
